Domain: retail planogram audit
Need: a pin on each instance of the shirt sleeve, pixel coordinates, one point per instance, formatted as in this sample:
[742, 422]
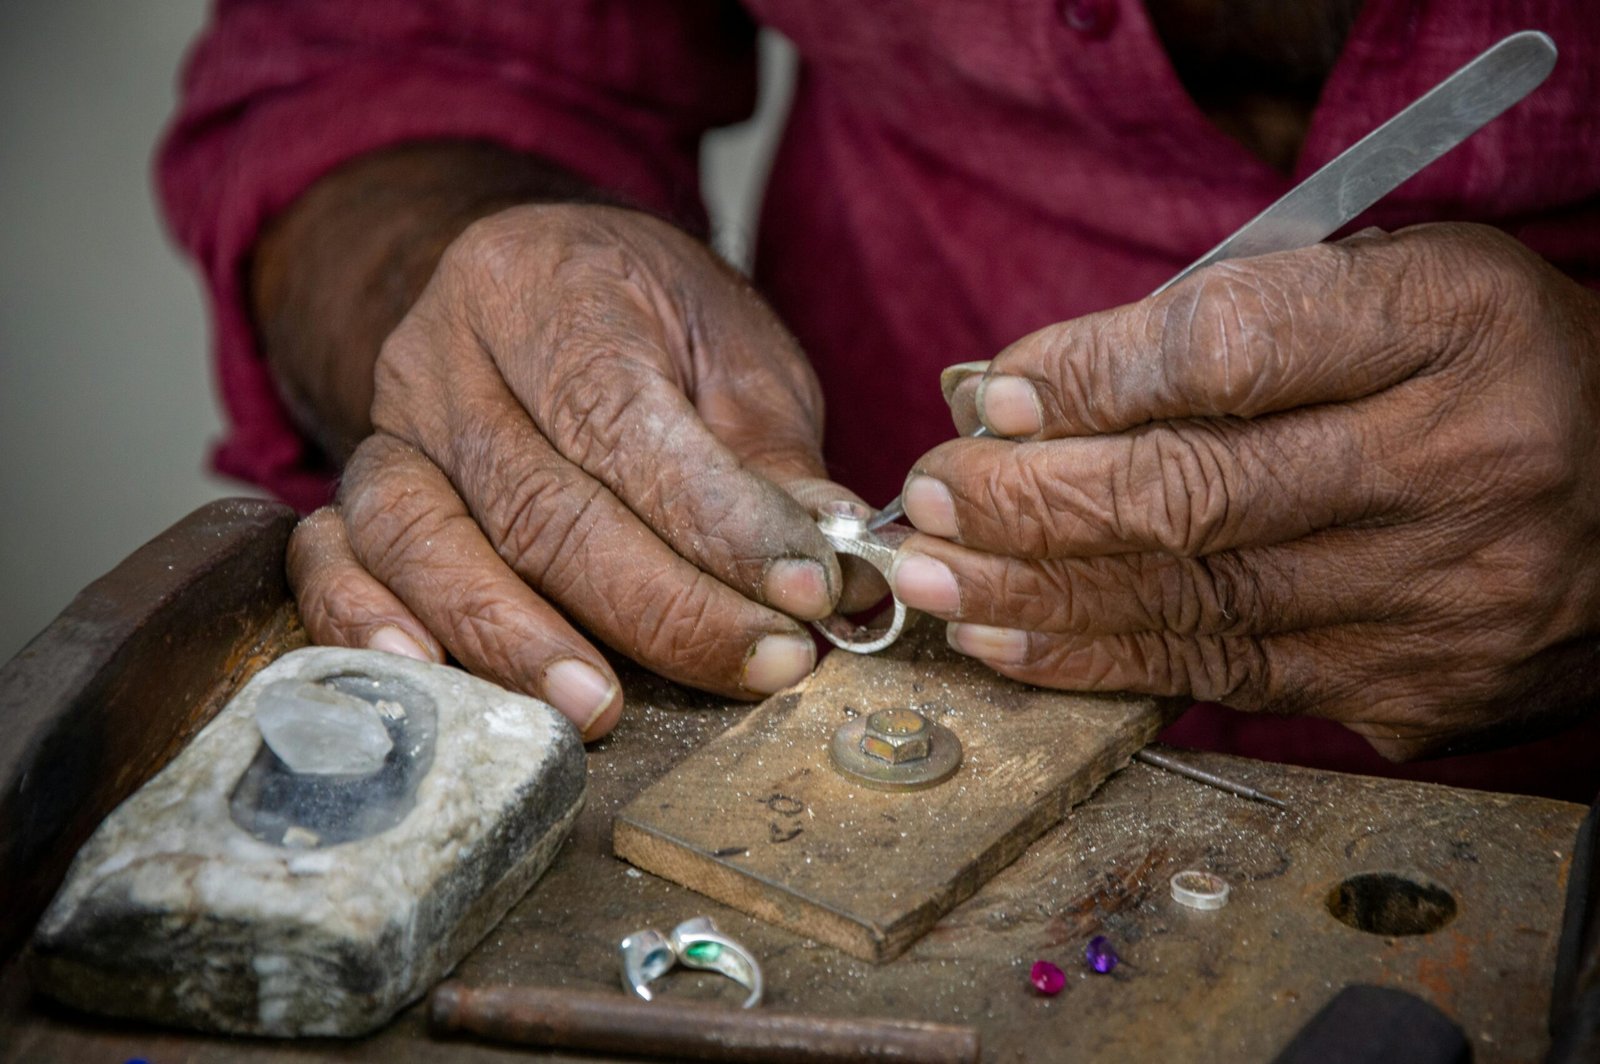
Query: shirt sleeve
[276, 93]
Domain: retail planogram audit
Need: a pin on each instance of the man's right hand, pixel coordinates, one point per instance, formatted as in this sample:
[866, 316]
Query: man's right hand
[585, 416]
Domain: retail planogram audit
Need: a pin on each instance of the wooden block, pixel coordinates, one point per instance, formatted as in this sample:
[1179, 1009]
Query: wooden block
[760, 819]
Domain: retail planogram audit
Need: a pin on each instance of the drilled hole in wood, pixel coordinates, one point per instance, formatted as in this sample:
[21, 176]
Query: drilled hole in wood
[1384, 903]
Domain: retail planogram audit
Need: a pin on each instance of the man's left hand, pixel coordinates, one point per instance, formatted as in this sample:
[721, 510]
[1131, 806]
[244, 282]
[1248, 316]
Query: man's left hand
[1359, 480]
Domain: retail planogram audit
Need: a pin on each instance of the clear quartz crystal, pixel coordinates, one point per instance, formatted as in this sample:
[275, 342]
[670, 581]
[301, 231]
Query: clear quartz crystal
[318, 731]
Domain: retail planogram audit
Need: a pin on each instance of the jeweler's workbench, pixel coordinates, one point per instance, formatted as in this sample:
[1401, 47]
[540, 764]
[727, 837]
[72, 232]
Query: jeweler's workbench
[1230, 984]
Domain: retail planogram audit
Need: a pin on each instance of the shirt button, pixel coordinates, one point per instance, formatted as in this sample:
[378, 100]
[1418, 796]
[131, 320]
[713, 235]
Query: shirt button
[1093, 19]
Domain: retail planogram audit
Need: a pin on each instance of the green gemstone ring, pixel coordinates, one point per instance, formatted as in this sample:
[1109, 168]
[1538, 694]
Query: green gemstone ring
[695, 943]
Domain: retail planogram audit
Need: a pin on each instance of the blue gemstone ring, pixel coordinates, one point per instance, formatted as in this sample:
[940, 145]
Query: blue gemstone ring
[645, 955]
[696, 943]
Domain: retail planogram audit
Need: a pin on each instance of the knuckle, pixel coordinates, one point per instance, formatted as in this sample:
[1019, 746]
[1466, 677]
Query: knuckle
[1178, 491]
[1530, 451]
[541, 524]
[1515, 608]
[1465, 281]
[313, 542]
[1228, 335]
[542, 247]
[1031, 596]
[336, 607]
[495, 249]
[1101, 664]
[1213, 595]
[1028, 502]
[397, 375]
[1237, 596]
[365, 464]
[384, 525]
[1228, 669]
[591, 408]
[1217, 337]
[490, 630]
[677, 621]
[1068, 365]
[1034, 596]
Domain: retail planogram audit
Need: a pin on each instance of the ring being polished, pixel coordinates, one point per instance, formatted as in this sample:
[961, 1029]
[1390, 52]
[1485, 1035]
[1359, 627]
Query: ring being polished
[648, 954]
[844, 525]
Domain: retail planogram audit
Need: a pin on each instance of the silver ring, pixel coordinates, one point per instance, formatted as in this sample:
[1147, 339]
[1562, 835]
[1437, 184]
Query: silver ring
[1199, 890]
[844, 525]
[698, 944]
[645, 955]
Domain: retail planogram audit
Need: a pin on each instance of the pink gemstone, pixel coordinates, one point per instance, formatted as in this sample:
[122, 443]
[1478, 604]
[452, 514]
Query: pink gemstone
[1047, 978]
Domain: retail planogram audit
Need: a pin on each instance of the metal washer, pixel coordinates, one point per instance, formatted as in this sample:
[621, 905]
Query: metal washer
[944, 757]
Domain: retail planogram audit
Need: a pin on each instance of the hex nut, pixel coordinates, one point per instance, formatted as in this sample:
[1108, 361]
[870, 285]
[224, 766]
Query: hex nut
[849, 757]
[896, 736]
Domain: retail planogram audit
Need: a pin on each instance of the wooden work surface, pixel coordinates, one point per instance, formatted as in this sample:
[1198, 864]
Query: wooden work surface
[761, 819]
[1229, 985]
[139, 660]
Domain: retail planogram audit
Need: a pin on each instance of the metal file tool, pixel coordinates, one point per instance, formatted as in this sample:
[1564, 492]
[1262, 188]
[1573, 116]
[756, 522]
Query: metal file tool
[1375, 165]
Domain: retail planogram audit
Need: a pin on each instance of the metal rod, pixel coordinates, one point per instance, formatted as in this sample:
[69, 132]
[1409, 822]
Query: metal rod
[611, 1023]
[1210, 779]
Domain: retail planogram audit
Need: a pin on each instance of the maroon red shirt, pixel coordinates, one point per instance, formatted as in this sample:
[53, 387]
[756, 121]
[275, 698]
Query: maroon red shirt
[954, 174]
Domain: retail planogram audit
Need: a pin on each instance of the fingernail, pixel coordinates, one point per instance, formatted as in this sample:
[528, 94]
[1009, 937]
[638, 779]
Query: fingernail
[925, 583]
[929, 506]
[953, 377]
[392, 640]
[1010, 406]
[798, 587]
[579, 690]
[1005, 646]
[778, 661]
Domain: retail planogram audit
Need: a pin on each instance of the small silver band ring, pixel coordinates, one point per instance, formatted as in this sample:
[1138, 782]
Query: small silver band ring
[1199, 890]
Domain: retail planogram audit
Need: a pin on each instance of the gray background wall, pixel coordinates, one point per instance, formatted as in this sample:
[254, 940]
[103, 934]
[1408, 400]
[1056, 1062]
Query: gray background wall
[106, 401]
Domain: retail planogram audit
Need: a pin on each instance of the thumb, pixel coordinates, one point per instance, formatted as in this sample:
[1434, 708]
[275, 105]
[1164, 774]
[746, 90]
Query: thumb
[783, 446]
[864, 586]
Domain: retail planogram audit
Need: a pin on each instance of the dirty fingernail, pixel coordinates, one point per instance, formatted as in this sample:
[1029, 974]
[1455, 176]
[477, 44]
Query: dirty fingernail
[955, 376]
[392, 640]
[778, 661]
[925, 583]
[1005, 646]
[579, 691]
[1009, 406]
[798, 587]
[929, 506]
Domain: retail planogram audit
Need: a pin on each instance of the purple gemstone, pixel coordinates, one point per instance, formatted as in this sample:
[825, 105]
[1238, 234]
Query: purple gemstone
[1047, 978]
[1100, 954]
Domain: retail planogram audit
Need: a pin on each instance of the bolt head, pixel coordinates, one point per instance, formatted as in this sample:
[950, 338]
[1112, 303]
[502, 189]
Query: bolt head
[896, 736]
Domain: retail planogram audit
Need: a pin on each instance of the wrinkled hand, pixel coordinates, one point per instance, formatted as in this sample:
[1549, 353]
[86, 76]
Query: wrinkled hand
[1359, 480]
[584, 416]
